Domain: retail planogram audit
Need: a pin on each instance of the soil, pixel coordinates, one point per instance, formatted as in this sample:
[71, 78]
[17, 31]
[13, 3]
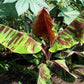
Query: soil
[15, 76]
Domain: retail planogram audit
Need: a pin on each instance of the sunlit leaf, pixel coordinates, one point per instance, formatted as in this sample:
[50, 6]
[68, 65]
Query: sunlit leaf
[82, 52]
[34, 6]
[22, 6]
[44, 75]
[42, 27]
[69, 14]
[18, 42]
[71, 35]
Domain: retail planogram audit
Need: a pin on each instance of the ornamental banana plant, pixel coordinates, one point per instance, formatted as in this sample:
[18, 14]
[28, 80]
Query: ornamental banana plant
[19, 42]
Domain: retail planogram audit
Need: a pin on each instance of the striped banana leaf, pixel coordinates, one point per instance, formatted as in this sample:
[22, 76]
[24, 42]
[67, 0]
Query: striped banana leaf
[71, 35]
[17, 41]
[44, 75]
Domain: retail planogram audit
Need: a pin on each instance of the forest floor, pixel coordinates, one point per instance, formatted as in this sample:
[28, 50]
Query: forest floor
[14, 75]
[14, 78]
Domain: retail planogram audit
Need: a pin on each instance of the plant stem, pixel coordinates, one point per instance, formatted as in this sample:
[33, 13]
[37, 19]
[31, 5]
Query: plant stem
[44, 52]
[49, 55]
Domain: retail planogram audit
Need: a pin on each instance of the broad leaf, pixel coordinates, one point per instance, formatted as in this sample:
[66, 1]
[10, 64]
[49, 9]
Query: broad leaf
[59, 67]
[42, 3]
[18, 42]
[44, 75]
[22, 6]
[34, 6]
[71, 35]
[42, 27]
[69, 14]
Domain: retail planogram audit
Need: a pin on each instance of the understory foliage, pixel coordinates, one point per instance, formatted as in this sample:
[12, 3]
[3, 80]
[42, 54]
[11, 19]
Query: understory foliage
[46, 33]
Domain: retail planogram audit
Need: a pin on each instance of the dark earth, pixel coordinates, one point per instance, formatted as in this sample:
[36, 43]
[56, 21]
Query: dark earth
[14, 74]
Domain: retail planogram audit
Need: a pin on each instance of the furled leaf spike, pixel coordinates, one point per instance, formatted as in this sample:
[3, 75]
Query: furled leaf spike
[42, 27]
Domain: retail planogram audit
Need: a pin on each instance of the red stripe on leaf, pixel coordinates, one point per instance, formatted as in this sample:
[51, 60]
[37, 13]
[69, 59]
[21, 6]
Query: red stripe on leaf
[31, 42]
[63, 33]
[42, 72]
[79, 26]
[34, 46]
[20, 41]
[12, 48]
[28, 42]
[6, 30]
[13, 35]
[18, 35]
[9, 33]
[66, 31]
[60, 40]
[2, 27]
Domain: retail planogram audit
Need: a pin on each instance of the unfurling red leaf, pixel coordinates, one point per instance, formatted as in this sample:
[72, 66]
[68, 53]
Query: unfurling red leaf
[44, 75]
[42, 27]
[59, 67]
[71, 35]
[18, 42]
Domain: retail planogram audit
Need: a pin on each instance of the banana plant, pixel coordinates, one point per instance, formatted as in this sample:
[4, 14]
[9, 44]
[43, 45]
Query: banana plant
[21, 43]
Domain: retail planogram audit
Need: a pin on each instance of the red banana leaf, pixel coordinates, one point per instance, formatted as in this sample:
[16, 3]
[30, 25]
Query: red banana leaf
[42, 27]
[18, 42]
